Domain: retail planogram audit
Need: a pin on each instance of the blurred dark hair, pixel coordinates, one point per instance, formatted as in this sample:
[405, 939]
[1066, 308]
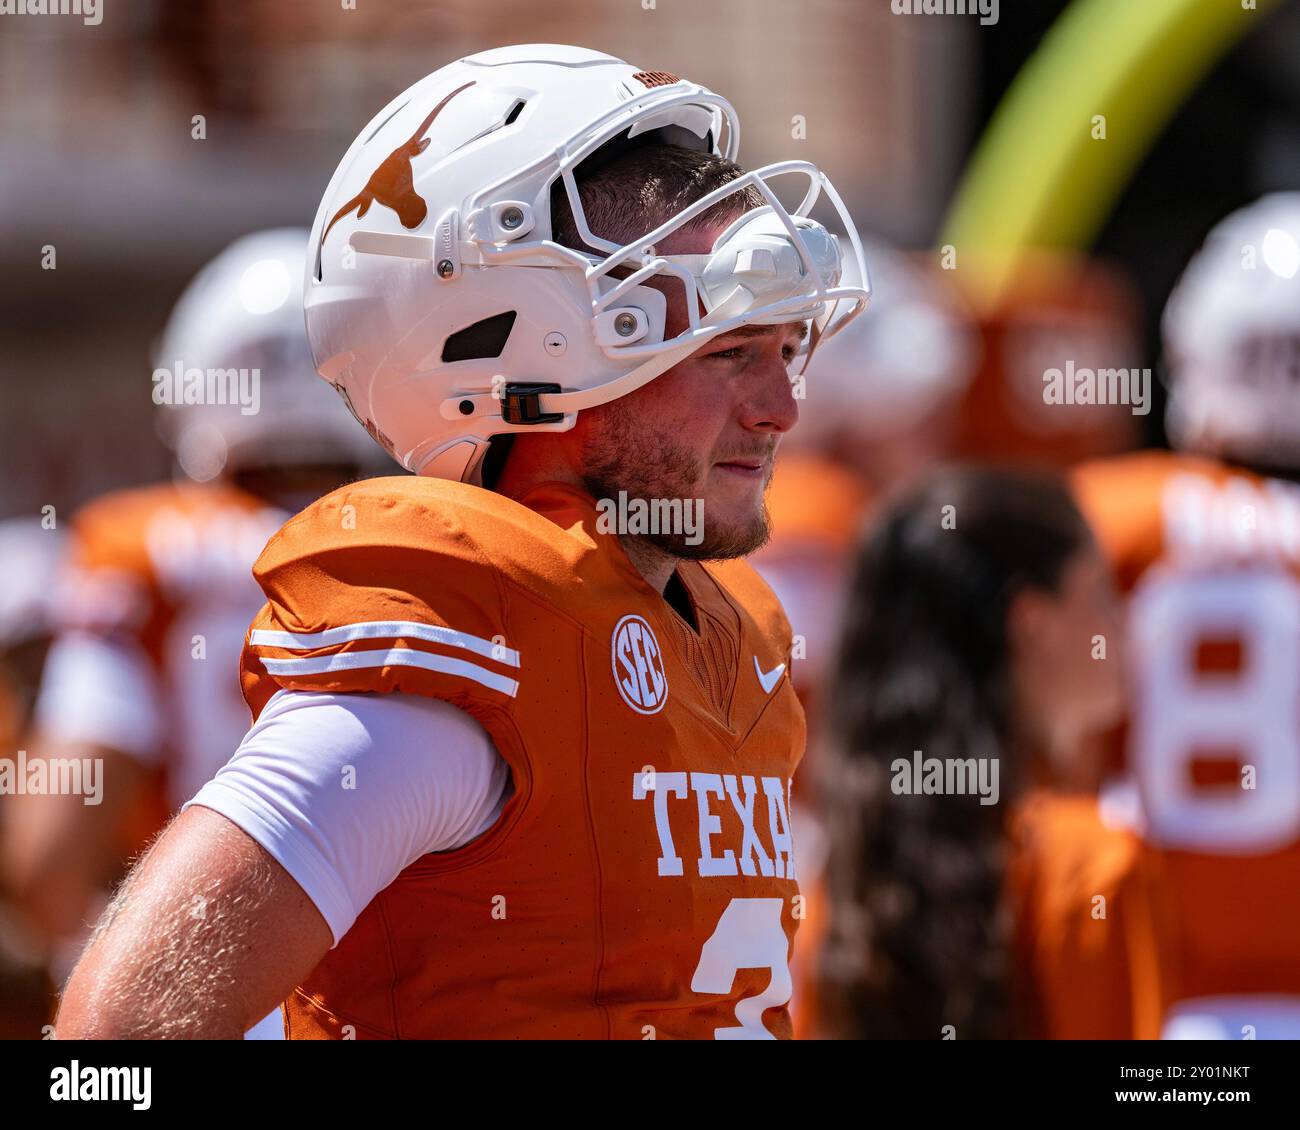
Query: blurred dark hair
[920, 930]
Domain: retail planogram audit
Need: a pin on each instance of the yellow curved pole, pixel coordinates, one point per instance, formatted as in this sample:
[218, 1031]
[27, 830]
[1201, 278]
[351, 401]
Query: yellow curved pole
[1040, 176]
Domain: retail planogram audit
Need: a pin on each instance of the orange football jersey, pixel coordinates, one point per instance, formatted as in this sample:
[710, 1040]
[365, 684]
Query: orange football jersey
[641, 881]
[1211, 558]
[167, 570]
[1086, 936]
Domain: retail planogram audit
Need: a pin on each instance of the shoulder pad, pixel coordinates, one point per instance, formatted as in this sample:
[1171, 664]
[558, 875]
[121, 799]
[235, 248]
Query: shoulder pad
[400, 584]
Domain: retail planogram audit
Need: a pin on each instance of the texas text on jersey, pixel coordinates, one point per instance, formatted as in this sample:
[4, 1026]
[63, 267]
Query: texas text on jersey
[641, 881]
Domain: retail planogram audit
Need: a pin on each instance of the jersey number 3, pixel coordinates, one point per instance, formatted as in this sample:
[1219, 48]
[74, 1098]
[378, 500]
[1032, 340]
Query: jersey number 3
[749, 935]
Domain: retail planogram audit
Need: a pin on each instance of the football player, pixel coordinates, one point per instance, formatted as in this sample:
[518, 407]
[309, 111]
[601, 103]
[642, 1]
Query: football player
[970, 645]
[31, 552]
[524, 728]
[1206, 540]
[153, 611]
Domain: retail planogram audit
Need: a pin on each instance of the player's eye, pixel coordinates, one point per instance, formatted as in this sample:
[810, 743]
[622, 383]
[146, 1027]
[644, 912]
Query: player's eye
[726, 354]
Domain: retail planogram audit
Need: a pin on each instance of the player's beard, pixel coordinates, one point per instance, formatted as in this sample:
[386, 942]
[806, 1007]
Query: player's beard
[623, 456]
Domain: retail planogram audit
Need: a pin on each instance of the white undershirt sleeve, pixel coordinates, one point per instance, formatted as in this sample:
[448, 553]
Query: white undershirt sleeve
[346, 791]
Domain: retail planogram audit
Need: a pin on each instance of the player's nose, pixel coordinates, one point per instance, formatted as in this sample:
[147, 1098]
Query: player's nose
[768, 400]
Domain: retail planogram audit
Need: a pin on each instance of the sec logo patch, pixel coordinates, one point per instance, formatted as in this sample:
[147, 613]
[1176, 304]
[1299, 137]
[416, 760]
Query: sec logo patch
[638, 666]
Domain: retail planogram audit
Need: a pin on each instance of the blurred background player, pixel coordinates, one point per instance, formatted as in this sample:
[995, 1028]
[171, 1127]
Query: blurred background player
[30, 554]
[970, 634]
[1206, 541]
[143, 673]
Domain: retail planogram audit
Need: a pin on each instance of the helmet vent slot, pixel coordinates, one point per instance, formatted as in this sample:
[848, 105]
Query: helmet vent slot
[486, 338]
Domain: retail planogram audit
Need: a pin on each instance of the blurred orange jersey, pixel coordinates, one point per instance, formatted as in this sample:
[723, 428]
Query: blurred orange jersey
[163, 574]
[1211, 557]
[1086, 939]
[641, 881]
[1084, 949]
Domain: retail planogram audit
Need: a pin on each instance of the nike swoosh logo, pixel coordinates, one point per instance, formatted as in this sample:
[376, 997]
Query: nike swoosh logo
[768, 679]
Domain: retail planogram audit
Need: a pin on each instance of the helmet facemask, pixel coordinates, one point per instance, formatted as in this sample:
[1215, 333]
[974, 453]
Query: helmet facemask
[488, 144]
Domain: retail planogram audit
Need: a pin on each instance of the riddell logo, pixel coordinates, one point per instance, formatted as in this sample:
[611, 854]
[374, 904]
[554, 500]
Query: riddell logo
[393, 183]
[639, 666]
[651, 79]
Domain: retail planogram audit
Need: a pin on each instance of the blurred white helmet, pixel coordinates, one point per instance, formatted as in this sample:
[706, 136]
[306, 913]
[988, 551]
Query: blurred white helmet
[233, 372]
[1232, 339]
[889, 372]
[440, 305]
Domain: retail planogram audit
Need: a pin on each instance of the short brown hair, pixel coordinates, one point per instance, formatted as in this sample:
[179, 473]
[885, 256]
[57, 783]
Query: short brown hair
[636, 191]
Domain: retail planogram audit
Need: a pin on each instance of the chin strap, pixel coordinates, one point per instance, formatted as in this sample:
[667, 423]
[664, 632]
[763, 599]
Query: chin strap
[550, 407]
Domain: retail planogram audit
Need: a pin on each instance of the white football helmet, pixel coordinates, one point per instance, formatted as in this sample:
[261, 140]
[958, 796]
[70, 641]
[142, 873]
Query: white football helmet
[1232, 339]
[438, 303]
[242, 314]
